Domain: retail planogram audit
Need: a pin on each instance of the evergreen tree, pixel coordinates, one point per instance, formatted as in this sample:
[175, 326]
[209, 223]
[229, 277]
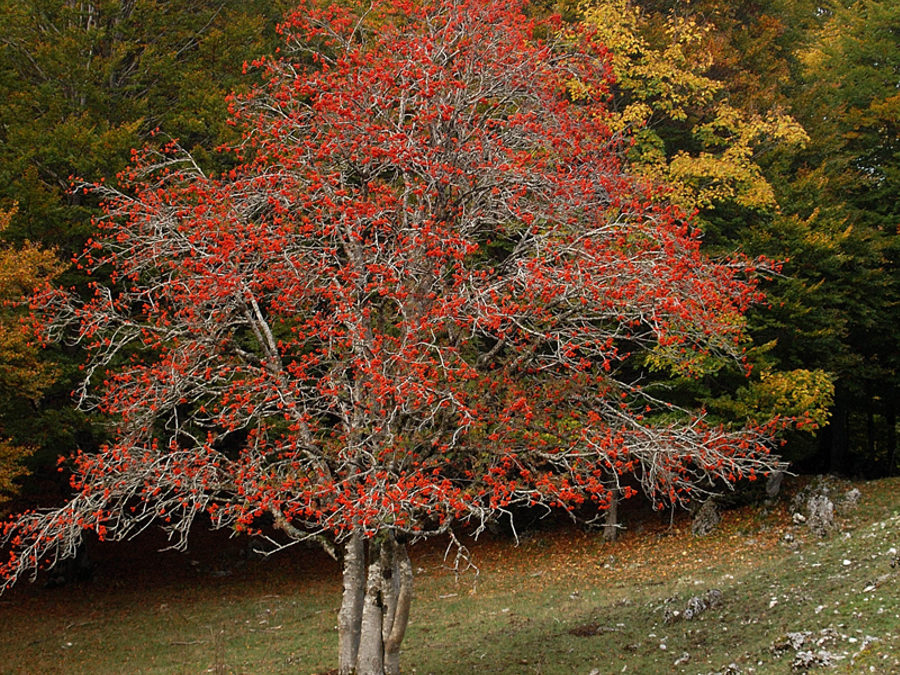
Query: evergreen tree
[846, 184]
[84, 81]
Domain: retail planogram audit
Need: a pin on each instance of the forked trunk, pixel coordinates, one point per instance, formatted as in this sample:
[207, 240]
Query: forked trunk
[370, 660]
[400, 600]
[374, 611]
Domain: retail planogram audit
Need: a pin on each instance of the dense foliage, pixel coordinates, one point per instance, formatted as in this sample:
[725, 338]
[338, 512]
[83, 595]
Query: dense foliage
[413, 301]
[772, 124]
[705, 86]
[23, 375]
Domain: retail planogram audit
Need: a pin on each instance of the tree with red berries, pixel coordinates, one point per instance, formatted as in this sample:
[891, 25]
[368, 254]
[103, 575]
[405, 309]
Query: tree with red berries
[414, 304]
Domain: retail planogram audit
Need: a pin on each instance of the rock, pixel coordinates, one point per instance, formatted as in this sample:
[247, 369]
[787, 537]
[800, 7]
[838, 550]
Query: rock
[773, 484]
[695, 606]
[809, 648]
[706, 519]
[804, 660]
[821, 515]
[793, 641]
[713, 597]
[850, 500]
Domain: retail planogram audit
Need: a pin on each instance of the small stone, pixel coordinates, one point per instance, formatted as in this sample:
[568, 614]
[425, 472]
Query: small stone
[713, 597]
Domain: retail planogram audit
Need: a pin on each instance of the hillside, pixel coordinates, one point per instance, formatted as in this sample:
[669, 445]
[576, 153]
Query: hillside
[777, 599]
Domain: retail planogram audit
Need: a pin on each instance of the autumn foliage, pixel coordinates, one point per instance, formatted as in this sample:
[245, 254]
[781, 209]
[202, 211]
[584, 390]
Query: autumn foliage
[412, 304]
[23, 375]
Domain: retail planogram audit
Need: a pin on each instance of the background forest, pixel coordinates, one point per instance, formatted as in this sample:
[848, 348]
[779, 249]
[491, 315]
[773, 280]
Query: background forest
[775, 121]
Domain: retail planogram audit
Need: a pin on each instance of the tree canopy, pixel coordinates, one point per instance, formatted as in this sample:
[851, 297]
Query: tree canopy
[407, 305]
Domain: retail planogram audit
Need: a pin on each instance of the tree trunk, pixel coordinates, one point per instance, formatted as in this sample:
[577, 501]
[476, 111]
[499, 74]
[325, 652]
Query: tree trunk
[839, 435]
[350, 614]
[371, 644]
[890, 416]
[611, 517]
[374, 613]
[400, 604]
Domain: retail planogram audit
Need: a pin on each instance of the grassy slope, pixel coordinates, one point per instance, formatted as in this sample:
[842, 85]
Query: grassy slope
[560, 602]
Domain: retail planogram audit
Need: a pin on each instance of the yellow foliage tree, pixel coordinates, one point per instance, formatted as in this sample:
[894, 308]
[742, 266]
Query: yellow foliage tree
[689, 135]
[661, 66]
[23, 375]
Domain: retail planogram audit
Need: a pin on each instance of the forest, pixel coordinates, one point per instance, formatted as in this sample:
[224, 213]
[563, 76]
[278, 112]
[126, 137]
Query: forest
[360, 274]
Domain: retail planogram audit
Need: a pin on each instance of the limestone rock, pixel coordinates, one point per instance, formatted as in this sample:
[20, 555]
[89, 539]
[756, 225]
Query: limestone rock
[821, 515]
[706, 519]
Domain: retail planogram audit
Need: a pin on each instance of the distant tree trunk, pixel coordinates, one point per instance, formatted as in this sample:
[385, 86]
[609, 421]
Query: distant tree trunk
[871, 445]
[838, 438]
[611, 518]
[773, 484]
[378, 583]
[890, 417]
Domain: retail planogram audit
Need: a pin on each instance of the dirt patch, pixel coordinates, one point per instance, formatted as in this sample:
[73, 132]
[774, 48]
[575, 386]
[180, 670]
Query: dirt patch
[592, 629]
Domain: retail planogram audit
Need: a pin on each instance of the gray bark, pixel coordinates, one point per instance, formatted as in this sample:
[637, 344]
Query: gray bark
[611, 518]
[350, 614]
[390, 587]
[370, 660]
[402, 581]
[378, 584]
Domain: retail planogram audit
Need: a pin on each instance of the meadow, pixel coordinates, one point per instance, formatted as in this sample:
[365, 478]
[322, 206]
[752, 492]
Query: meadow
[764, 595]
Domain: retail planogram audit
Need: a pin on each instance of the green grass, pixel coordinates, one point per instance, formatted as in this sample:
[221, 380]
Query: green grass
[561, 602]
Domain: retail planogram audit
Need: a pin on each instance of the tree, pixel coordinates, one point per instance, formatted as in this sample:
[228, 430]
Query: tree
[844, 186]
[406, 309]
[23, 375]
[84, 81]
[691, 132]
[689, 83]
[81, 83]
